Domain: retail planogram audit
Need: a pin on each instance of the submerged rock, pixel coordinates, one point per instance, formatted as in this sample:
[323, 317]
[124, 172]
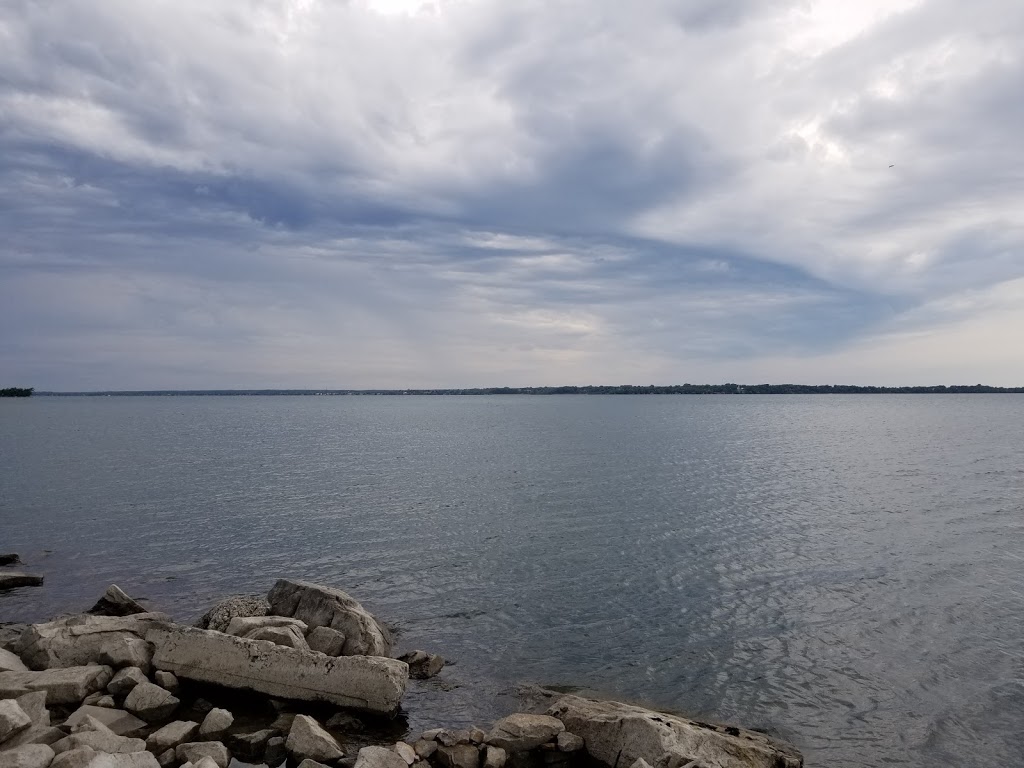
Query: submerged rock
[422, 665]
[115, 602]
[14, 579]
[10, 558]
[619, 734]
[321, 606]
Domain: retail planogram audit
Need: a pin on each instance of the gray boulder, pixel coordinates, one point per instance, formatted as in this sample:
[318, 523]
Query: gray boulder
[167, 681]
[275, 753]
[13, 719]
[308, 739]
[102, 741]
[14, 579]
[216, 722]
[194, 751]
[125, 760]
[244, 626]
[458, 756]
[116, 720]
[151, 702]
[10, 558]
[379, 757]
[9, 662]
[321, 606]
[28, 756]
[115, 602]
[569, 742]
[219, 617]
[124, 680]
[171, 735]
[620, 734]
[422, 665]
[287, 636]
[251, 746]
[495, 757]
[522, 732]
[74, 758]
[326, 640]
[405, 751]
[68, 685]
[80, 640]
[373, 684]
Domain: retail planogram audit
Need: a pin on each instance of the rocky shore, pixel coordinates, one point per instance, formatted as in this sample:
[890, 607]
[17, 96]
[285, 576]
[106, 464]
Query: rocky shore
[304, 677]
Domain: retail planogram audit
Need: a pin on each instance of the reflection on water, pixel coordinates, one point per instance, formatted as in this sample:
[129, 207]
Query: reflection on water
[845, 571]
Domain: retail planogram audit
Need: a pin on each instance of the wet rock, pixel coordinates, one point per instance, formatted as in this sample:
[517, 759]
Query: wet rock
[13, 719]
[102, 741]
[194, 751]
[81, 640]
[495, 757]
[620, 734]
[458, 756]
[374, 684]
[171, 735]
[216, 722]
[320, 606]
[326, 640]
[424, 748]
[422, 665]
[10, 558]
[522, 732]
[379, 757]
[477, 735]
[275, 753]
[124, 680]
[117, 720]
[27, 756]
[151, 702]
[14, 579]
[167, 681]
[450, 738]
[250, 746]
[307, 739]
[68, 685]
[79, 757]
[569, 742]
[115, 602]
[406, 752]
[219, 617]
[343, 721]
[10, 662]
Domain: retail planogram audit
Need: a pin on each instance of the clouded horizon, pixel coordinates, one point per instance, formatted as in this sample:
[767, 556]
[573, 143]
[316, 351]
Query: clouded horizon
[457, 193]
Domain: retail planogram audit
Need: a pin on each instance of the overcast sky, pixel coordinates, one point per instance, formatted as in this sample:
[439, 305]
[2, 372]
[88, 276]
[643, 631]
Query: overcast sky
[393, 193]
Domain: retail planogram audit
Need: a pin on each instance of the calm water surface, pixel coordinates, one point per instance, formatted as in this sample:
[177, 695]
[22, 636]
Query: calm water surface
[845, 571]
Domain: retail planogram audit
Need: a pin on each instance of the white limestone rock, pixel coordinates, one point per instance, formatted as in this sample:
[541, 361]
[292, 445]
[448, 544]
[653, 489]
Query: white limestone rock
[308, 739]
[79, 757]
[405, 751]
[219, 617]
[83, 640]
[102, 741]
[326, 640]
[196, 751]
[495, 757]
[244, 626]
[321, 606]
[290, 637]
[522, 732]
[167, 681]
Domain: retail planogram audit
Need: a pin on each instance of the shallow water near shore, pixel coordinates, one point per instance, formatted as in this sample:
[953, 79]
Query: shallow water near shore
[846, 572]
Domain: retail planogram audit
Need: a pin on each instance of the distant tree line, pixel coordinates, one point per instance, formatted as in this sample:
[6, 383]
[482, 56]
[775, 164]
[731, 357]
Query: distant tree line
[17, 392]
[622, 389]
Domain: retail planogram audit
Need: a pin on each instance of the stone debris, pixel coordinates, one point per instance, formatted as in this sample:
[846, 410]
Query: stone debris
[124, 680]
[67, 685]
[219, 617]
[14, 579]
[369, 683]
[321, 606]
[115, 602]
[522, 732]
[308, 739]
[422, 665]
[151, 702]
[216, 722]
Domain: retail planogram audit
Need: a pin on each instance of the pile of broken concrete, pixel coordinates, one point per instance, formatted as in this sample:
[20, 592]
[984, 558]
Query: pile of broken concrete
[119, 690]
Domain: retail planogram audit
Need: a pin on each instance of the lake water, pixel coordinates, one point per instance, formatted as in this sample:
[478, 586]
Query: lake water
[844, 571]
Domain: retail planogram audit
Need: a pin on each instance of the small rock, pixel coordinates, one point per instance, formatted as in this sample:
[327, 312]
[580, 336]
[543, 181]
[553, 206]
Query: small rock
[10, 558]
[283, 722]
[477, 735]
[74, 758]
[107, 702]
[13, 719]
[93, 698]
[219, 617]
[421, 764]
[167, 758]
[450, 738]
[206, 762]
[130, 760]
[307, 763]
[522, 732]
[151, 702]
[195, 751]
[275, 753]
[459, 756]
[114, 602]
[89, 723]
[422, 665]
[10, 662]
[640, 763]
[424, 748]
[379, 757]
[433, 733]
[13, 579]
[167, 681]
[245, 626]
[343, 721]
[326, 640]
[250, 746]
[307, 739]
[117, 720]
[405, 751]
[215, 724]
[569, 742]
[495, 757]
[171, 735]
[34, 705]
[28, 756]
[125, 680]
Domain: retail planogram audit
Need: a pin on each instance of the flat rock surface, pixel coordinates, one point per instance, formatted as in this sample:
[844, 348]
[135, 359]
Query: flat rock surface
[68, 685]
[151, 702]
[117, 720]
[80, 640]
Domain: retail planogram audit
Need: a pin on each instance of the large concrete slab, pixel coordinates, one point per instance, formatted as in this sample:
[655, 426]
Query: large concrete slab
[67, 685]
[371, 683]
[79, 640]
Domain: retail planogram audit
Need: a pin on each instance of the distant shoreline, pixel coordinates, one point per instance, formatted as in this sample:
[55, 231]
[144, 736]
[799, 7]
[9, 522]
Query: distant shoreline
[675, 389]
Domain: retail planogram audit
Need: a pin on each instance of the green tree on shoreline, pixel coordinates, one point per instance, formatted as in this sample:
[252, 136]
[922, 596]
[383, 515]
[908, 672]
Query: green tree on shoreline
[17, 392]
